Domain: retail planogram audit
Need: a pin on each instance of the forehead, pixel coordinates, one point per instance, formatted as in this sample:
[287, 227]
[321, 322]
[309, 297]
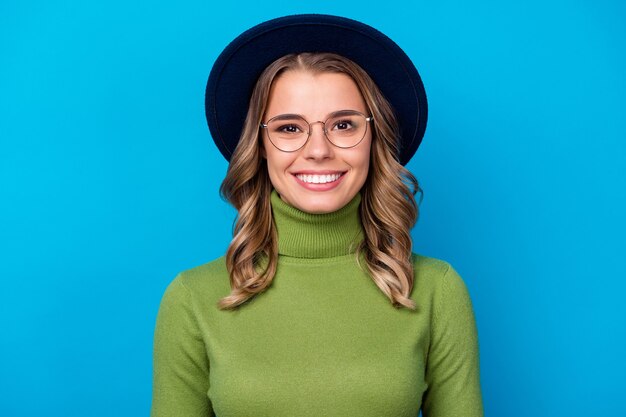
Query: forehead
[313, 95]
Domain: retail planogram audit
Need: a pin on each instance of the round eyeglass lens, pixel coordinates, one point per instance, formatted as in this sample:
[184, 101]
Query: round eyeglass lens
[288, 132]
[346, 129]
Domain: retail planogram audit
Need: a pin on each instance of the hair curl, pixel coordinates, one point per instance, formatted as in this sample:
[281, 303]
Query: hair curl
[388, 208]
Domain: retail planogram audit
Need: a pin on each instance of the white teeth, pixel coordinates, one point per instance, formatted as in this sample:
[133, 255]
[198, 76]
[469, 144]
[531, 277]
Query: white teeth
[318, 179]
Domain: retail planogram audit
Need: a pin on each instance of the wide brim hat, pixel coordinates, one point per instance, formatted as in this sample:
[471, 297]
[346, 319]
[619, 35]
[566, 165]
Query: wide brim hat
[240, 64]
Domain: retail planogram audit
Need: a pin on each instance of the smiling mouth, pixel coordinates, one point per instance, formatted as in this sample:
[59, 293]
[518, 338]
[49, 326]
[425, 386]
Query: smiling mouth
[319, 179]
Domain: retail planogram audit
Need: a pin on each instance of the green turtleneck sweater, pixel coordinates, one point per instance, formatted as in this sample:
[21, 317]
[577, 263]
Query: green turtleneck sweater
[322, 340]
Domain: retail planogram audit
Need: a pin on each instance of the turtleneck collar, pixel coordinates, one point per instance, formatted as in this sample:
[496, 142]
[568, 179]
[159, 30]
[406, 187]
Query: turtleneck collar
[306, 235]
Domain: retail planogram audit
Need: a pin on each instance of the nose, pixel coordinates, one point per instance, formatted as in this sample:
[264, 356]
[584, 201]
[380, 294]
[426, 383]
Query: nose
[318, 146]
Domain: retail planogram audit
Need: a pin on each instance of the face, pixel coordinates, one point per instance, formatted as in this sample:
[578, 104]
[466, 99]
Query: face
[319, 177]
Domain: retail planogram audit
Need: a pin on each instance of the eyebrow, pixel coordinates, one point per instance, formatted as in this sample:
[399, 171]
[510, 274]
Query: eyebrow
[285, 116]
[333, 113]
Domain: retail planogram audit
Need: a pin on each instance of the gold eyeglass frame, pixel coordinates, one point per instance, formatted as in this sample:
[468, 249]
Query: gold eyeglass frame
[310, 129]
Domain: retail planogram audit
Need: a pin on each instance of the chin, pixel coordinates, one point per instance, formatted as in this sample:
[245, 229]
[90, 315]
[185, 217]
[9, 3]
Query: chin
[319, 205]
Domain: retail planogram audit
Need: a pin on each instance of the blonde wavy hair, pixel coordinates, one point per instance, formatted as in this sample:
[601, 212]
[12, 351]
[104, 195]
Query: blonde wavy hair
[388, 208]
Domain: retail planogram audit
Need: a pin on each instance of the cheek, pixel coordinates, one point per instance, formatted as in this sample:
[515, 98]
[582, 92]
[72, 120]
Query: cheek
[365, 168]
[274, 176]
[263, 144]
[364, 160]
[274, 162]
[277, 164]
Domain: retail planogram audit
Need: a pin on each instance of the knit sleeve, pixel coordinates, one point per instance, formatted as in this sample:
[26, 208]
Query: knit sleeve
[180, 364]
[452, 370]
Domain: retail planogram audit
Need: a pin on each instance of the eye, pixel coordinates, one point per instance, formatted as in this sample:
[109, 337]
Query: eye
[289, 129]
[344, 124]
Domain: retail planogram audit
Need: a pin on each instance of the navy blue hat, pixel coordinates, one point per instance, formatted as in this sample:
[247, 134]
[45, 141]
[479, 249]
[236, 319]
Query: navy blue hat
[239, 66]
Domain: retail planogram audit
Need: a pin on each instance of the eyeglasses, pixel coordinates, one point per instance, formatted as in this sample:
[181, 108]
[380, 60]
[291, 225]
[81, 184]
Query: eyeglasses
[290, 132]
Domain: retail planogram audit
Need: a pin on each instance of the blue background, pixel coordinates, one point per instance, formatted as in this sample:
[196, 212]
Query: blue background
[109, 187]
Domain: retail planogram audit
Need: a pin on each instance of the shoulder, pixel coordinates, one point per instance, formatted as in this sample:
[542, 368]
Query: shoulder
[209, 282]
[427, 265]
[431, 271]
[438, 278]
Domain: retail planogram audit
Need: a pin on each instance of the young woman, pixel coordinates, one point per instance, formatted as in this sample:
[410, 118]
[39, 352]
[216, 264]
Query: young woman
[319, 307]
